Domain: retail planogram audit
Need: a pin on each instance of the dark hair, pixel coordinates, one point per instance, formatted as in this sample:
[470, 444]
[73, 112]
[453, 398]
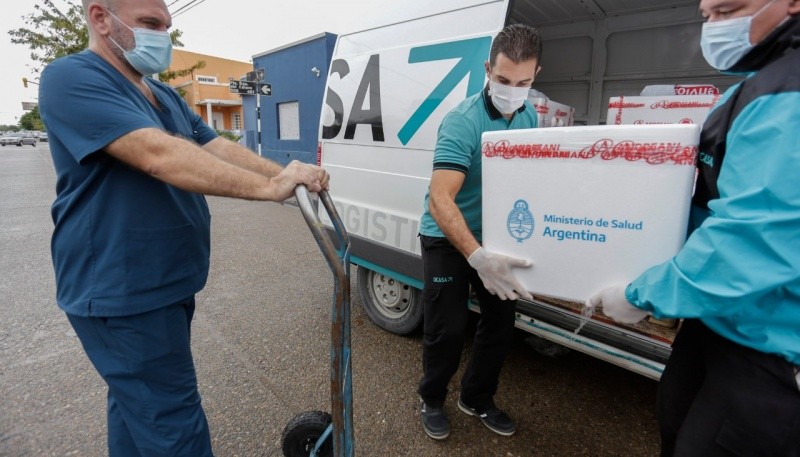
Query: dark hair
[519, 42]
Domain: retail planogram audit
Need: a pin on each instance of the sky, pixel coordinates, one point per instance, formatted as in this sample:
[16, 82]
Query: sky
[233, 29]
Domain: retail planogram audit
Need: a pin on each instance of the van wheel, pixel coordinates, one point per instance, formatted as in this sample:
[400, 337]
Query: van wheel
[390, 304]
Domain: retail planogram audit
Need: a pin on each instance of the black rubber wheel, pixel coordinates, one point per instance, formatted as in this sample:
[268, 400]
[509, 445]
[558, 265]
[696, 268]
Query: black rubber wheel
[301, 434]
[390, 304]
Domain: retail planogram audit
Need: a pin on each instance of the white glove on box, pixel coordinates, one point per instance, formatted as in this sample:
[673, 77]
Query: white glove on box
[616, 306]
[495, 272]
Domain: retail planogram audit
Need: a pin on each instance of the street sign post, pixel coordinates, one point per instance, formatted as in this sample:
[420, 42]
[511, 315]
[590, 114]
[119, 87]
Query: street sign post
[243, 87]
[253, 88]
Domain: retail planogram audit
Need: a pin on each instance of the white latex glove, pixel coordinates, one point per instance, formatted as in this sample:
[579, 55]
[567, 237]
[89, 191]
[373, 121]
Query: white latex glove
[495, 272]
[616, 306]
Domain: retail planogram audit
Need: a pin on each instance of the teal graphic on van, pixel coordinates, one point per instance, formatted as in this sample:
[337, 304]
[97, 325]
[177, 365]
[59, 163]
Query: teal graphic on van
[471, 55]
[520, 221]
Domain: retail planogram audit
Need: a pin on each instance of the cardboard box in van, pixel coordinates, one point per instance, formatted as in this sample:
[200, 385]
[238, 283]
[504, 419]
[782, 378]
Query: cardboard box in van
[592, 206]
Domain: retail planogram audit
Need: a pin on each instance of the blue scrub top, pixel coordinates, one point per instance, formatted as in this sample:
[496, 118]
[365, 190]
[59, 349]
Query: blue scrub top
[124, 242]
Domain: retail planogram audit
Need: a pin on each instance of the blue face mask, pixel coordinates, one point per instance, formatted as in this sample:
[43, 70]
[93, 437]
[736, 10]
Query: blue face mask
[153, 50]
[725, 42]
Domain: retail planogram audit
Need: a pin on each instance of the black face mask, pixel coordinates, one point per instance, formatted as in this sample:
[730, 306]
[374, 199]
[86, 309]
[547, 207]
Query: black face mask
[786, 36]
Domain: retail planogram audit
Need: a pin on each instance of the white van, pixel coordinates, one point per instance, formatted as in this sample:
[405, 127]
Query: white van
[390, 86]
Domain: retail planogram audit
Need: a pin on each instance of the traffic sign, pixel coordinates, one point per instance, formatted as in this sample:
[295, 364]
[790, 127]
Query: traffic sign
[243, 87]
[265, 89]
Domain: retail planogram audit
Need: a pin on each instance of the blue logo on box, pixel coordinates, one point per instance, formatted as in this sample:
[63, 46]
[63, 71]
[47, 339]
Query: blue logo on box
[520, 222]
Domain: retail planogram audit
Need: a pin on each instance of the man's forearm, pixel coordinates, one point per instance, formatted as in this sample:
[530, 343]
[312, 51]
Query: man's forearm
[242, 157]
[451, 221]
[183, 164]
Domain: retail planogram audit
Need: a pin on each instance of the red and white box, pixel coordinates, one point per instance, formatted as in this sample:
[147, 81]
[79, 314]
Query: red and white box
[590, 206]
[680, 89]
[665, 109]
[552, 114]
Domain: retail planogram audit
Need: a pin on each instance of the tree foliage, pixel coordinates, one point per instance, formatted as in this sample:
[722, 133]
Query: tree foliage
[31, 120]
[55, 32]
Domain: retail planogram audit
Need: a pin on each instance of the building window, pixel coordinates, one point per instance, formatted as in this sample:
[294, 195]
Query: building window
[207, 79]
[237, 121]
[289, 121]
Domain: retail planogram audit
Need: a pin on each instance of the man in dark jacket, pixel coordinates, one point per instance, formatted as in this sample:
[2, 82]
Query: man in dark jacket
[731, 385]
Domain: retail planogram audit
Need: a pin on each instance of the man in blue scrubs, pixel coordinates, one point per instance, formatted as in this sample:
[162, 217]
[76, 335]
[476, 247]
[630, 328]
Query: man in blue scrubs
[131, 241]
[731, 386]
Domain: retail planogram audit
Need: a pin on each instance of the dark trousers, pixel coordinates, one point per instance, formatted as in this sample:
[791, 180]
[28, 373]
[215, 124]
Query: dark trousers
[146, 361]
[717, 398]
[445, 294]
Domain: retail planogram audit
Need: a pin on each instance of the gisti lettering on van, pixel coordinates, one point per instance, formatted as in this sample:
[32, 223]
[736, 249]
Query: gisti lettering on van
[368, 102]
[398, 231]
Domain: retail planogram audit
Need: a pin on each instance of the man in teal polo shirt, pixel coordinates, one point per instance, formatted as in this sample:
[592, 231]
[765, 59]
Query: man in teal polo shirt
[450, 236]
[131, 240]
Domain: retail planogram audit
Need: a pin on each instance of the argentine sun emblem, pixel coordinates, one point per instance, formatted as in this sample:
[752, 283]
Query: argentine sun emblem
[520, 221]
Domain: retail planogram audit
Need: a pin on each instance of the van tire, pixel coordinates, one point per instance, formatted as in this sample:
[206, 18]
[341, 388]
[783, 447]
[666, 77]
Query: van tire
[390, 304]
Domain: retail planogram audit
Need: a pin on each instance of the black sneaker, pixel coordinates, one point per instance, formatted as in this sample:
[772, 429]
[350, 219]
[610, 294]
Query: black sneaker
[434, 421]
[492, 417]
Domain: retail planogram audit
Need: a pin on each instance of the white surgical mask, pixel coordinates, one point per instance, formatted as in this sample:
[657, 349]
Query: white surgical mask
[507, 99]
[152, 52]
[724, 43]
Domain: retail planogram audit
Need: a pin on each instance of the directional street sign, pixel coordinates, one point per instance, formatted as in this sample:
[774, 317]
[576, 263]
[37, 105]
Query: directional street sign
[249, 88]
[243, 87]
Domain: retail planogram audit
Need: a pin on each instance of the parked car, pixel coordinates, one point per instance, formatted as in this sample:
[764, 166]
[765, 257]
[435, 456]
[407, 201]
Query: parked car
[43, 136]
[17, 138]
[11, 138]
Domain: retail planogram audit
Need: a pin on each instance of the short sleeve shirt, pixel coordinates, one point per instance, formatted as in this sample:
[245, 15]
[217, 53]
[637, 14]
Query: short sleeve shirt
[458, 147]
[124, 242]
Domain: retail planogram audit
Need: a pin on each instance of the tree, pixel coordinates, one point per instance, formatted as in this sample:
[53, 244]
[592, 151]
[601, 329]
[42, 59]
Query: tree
[55, 32]
[31, 120]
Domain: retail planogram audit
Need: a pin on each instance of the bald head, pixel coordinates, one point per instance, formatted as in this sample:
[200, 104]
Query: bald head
[110, 4]
[111, 25]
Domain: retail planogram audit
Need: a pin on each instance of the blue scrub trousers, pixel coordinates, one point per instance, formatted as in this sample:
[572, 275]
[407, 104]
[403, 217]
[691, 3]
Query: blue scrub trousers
[146, 360]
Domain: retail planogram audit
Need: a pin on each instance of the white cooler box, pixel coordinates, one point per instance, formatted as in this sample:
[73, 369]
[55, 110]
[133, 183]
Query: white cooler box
[665, 109]
[552, 114]
[591, 207]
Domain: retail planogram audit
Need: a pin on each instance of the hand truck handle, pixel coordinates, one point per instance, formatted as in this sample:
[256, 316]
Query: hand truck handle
[336, 261]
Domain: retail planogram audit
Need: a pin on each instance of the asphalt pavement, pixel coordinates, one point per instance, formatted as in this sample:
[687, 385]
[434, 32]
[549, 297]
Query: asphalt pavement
[260, 341]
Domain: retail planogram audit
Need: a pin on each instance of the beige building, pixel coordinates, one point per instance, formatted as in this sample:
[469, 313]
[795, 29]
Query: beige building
[206, 90]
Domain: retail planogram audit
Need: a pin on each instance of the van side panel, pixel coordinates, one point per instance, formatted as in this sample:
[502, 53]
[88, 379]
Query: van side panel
[388, 90]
